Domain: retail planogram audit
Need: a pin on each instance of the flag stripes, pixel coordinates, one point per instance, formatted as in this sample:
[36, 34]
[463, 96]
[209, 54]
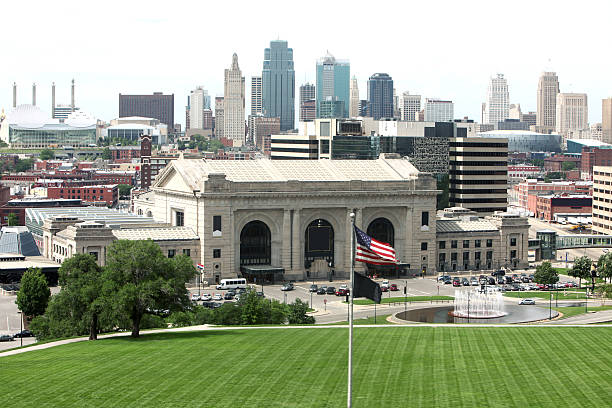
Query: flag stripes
[374, 252]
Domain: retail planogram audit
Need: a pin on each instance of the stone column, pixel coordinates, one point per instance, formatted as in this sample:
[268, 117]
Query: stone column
[286, 240]
[296, 248]
[359, 266]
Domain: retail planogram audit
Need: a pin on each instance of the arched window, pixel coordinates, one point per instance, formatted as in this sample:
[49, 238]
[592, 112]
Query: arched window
[382, 230]
[319, 242]
[255, 244]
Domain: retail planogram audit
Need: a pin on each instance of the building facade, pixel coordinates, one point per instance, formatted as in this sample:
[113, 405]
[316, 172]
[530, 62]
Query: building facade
[219, 118]
[256, 96]
[354, 103]
[602, 199]
[498, 101]
[199, 100]
[333, 84]
[572, 113]
[380, 96]
[548, 88]
[606, 120]
[278, 82]
[437, 110]
[549, 207]
[106, 195]
[308, 108]
[410, 105]
[158, 106]
[233, 105]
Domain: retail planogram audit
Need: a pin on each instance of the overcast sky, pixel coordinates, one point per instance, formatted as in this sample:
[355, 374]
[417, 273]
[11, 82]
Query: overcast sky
[445, 49]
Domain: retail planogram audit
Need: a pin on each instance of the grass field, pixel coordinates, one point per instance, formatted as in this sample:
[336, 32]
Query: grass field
[400, 299]
[380, 319]
[559, 295]
[574, 311]
[306, 367]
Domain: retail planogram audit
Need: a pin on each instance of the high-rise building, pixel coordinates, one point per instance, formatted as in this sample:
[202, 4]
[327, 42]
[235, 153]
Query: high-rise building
[158, 106]
[498, 101]
[572, 113]
[261, 129]
[233, 104]
[219, 118]
[278, 84]
[198, 101]
[410, 105]
[308, 111]
[514, 111]
[478, 174]
[437, 110]
[380, 96]
[256, 101]
[354, 95]
[363, 107]
[548, 88]
[606, 120]
[396, 105]
[333, 83]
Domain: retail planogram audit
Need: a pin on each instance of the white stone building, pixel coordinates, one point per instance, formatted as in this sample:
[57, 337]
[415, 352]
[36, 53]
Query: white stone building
[233, 104]
[498, 101]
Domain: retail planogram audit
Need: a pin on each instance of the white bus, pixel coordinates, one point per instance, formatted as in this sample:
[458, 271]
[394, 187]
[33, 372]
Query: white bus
[235, 283]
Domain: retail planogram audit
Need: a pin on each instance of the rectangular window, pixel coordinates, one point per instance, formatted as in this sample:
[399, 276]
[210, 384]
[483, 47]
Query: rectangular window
[423, 246]
[171, 253]
[454, 256]
[512, 241]
[466, 256]
[442, 244]
[477, 243]
[477, 255]
[442, 257]
[216, 225]
[425, 218]
[466, 243]
[454, 243]
[187, 252]
[179, 218]
[489, 255]
[216, 253]
[489, 243]
[513, 254]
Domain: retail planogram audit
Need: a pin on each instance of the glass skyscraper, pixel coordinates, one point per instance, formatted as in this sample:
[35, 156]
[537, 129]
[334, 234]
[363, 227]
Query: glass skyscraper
[380, 96]
[278, 81]
[333, 86]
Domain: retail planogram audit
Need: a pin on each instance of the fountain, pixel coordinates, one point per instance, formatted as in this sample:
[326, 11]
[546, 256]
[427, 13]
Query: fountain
[474, 304]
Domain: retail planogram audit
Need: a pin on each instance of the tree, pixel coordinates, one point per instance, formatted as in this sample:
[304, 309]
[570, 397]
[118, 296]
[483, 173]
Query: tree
[581, 268]
[139, 279]
[34, 293]
[546, 274]
[568, 165]
[604, 266]
[297, 313]
[605, 291]
[12, 220]
[124, 190]
[46, 154]
[23, 165]
[106, 154]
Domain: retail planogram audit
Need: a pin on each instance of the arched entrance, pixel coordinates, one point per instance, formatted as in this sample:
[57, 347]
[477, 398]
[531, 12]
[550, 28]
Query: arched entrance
[255, 244]
[381, 229]
[319, 243]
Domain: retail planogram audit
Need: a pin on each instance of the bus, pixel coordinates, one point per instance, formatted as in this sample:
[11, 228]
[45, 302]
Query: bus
[235, 283]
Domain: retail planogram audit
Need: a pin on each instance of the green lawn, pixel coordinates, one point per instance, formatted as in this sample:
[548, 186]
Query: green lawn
[380, 319]
[559, 295]
[295, 367]
[400, 299]
[573, 311]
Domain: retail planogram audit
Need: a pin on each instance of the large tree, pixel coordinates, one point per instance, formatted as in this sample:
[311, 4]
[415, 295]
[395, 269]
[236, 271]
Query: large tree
[139, 279]
[46, 154]
[34, 293]
[604, 266]
[546, 274]
[581, 268]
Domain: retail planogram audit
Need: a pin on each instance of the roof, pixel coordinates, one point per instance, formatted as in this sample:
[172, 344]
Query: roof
[459, 225]
[589, 142]
[505, 133]
[18, 240]
[157, 234]
[131, 126]
[100, 214]
[264, 170]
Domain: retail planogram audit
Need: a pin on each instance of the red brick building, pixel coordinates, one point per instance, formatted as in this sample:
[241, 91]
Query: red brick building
[555, 163]
[123, 154]
[594, 156]
[116, 177]
[107, 195]
[18, 207]
[523, 190]
[550, 205]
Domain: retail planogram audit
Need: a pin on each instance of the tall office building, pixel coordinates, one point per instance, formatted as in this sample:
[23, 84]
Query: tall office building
[498, 101]
[158, 106]
[606, 120]
[199, 100]
[572, 113]
[354, 95]
[437, 110]
[548, 88]
[278, 84]
[410, 105]
[233, 104]
[219, 118]
[478, 174]
[308, 111]
[333, 83]
[256, 101]
[380, 96]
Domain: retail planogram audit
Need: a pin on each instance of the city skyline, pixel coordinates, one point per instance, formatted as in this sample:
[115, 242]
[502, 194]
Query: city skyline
[98, 84]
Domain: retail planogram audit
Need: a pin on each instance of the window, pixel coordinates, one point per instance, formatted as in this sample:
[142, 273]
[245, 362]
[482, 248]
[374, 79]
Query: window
[179, 218]
[187, 252]
[425, 218]
[454, 256]
[442, 258]
[171, 253]
[489, 243]
[489, 255]
[454, 243]
[442, 244]
[466, 243]
[94, 254]
[477, 243]
[513, 254]
[477, 255]
[423, 246]
[216, 253]
[466, 256]
[216, 225]
[512, 241]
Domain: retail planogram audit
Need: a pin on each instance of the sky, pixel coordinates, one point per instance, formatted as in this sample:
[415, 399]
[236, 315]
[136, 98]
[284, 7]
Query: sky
[444, 49]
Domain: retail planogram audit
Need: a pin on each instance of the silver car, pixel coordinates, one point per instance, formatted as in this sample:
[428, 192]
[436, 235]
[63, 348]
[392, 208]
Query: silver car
[527, 302]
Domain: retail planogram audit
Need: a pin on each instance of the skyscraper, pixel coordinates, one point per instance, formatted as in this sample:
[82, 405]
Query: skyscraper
[354, 103]
[278, 83]
[308, 110]
[437, 110]
[333, 82]
[548, 88]
[606, 120]
[572, 113]
[219, 118]
[498, 100]
[198, 101]
[233, 104]
[410, 105]
[256, 101]
[380, 96]
[158, 106]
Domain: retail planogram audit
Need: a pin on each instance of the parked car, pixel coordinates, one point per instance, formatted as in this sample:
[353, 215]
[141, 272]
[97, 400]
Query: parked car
[456, 281]
[23, 333]
[260, 294]
[228, 296]
[384, 288]
[393, 287]
[527, 302]
[474, 281]
[342, 292]
[465, 282]
[442, 278]
[195, 297]
[322, 290]
[330, 290]
[6, 337]
[217, 296]
[237, 297]
[287, 287]
[385, 283]
[491, 280]
[206, 297]
[500, 280]
[447, 280]
[313, 288]
[509, 280]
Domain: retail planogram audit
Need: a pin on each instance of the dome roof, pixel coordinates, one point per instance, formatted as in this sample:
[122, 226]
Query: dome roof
[29, 116]
[80, 119]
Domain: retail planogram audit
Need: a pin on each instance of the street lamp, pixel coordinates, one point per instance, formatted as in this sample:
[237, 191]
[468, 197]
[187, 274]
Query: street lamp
[20, 328]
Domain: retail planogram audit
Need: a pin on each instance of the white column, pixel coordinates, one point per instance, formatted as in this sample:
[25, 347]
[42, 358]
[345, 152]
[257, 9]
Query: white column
[286, 240]
[296, 240]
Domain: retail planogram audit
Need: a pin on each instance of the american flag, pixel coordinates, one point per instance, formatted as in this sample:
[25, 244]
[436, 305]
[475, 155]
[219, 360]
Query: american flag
[371, 251]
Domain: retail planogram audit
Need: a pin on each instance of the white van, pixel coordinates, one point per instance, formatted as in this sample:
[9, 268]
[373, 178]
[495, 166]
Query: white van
[235, 283]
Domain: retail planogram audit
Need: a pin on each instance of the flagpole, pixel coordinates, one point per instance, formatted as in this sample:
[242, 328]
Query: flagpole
[350, 350]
